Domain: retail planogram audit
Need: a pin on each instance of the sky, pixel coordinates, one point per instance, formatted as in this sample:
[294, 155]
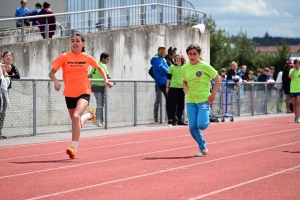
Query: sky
[277, 17]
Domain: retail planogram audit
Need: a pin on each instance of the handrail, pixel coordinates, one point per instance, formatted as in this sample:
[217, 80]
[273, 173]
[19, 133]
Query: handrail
[102, 9]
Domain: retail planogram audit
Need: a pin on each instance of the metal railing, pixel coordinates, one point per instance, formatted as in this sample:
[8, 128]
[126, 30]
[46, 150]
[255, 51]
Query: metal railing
[110, 18]
[36, 107]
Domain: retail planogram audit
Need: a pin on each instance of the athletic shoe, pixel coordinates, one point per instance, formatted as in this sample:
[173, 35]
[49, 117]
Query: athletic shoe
[295, 120]
[2, 136]
[298, 120]
[181, 123]
[71, 152]
[155, 119]
[97, 123]
[202, 152]
[92, 111]
[174, 123]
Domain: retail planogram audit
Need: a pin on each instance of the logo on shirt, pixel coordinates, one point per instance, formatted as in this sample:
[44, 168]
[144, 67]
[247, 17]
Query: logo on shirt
[198, 74]
[77, 64]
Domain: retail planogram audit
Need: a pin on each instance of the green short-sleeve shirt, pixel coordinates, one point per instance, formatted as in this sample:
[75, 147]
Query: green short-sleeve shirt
[96, 74]
[176, 80]
[295, 81]
[198, 79]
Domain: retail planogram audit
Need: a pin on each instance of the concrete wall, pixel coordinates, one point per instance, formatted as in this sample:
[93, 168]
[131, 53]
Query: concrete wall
[130, 49]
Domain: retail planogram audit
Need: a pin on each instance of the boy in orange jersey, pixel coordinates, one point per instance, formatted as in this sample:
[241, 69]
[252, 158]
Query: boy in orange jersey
[77, 90]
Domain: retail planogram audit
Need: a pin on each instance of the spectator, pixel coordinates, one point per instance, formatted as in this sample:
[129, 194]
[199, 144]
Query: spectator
[251, 76]
[223, 73]
[172, 51]
[33, 12]
[175, 92]
[160, 72]
[294, 75]
[98, 88]
[232, 71]
[286, 81]
[259, 72]
[242, 72]
[8, 70]
[20, 12]
[47, 21]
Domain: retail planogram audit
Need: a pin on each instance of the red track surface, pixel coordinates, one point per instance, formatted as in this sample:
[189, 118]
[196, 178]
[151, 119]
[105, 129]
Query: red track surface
[257, 159]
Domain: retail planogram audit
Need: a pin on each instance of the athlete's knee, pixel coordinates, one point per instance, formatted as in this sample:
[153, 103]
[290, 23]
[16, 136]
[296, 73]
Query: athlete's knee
[76, 118]
[203, 126]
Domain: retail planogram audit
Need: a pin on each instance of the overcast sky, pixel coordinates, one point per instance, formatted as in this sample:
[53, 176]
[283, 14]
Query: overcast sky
[278, 17]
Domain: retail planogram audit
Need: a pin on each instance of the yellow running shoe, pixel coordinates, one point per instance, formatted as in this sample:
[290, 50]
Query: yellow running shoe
[92, 111]
[71, 152]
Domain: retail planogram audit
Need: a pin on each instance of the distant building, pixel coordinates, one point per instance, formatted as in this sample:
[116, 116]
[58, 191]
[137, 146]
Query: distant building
[295, 50]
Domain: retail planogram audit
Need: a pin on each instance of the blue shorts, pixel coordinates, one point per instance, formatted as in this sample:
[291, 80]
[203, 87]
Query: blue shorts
[294, 95]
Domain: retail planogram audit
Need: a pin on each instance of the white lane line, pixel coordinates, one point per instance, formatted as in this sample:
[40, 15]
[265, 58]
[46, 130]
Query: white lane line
[88, 138]
[144, 141]
[245, 183]
[135, 155]
[121, 134]
[160, 172]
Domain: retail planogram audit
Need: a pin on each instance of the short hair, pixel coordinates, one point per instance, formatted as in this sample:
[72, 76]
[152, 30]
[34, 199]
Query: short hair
[38, 5]
[194, 46]
[23, 1]
[46, 5]
[296, 60]
[223, 70]
[266, 69]
[250, 72]
[271, 67]
[104, 56]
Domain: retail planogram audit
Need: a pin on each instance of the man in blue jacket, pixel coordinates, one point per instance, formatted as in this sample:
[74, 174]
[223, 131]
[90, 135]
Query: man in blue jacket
[160, 72]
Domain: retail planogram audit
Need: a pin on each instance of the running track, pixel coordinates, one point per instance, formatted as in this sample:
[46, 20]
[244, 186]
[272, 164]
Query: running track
[253, 159]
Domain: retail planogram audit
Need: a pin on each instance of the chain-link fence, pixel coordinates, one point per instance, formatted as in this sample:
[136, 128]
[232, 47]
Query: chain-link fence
[36, 107]
[249, 98]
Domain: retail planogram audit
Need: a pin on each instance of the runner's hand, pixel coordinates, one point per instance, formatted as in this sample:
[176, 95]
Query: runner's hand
[109, 84]
[211, 99]
[57, 86]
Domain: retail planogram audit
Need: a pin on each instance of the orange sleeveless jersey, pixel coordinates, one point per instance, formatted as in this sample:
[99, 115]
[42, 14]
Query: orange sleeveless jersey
[75, 72]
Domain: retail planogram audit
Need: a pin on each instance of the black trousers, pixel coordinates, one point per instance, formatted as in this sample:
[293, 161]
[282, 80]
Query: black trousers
[168, 105]
[176, 99]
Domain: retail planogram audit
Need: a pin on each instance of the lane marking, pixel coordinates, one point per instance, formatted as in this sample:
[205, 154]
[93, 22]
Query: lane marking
[130, 133]
[159, 172]
[143, 141]
[245, 183]
[135, 155]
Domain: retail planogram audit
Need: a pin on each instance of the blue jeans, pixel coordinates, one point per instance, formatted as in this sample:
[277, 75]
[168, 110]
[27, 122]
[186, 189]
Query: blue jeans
[198, 115]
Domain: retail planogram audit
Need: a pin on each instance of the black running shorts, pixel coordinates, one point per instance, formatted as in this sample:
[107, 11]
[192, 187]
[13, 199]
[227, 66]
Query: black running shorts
[72, 101]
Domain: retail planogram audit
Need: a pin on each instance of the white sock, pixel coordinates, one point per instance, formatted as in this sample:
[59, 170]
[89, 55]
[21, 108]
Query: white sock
[89, 115]
[75, 144]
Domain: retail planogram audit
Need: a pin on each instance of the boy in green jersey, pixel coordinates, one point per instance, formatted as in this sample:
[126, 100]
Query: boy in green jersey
[175, 92]
[197, 76]
[98, 88]
[295, 88]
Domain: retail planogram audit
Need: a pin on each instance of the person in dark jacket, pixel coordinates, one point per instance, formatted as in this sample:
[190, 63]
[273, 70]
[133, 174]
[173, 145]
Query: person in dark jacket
[33, 12]
[12, 72]
[172, 52]
[160, 72]
[44, 21]
[286, 82]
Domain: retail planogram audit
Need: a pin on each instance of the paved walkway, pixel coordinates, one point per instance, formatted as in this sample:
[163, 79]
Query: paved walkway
[111, 131]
